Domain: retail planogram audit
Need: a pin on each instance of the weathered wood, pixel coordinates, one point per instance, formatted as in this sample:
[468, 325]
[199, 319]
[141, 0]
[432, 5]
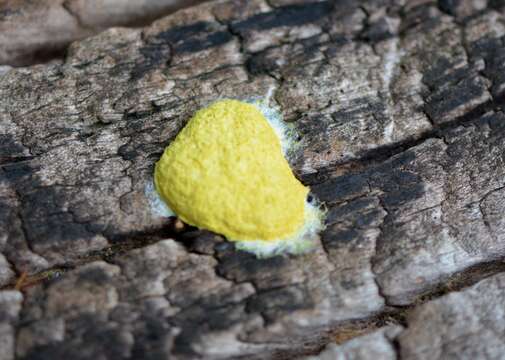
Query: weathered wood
[465, 325]
[399, 108]
[32, 32]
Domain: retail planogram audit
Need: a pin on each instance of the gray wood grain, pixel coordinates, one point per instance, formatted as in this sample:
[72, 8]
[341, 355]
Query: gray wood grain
[399, 109]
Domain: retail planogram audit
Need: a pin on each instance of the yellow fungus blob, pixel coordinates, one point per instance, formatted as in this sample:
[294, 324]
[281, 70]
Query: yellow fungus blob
[226, 172]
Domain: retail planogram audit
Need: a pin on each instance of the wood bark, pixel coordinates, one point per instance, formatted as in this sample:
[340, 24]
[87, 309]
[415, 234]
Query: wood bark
[33, 32]
[399, 107]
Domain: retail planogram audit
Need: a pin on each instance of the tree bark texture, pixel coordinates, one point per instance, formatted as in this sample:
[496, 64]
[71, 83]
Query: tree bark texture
[399, 109]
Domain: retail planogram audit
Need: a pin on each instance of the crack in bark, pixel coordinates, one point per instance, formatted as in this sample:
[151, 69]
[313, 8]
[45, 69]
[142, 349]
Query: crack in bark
[23, 228]
[485, 220]
[391, 314]
[372, 260]
[7, 160]
[397, 347]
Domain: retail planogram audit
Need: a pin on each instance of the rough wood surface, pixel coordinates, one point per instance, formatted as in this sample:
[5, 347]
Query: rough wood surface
[465, 325]
[35, 31]
[399, 109]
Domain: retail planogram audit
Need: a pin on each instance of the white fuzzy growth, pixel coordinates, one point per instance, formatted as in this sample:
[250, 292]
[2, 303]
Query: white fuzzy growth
[303, 241]
[284, 131]
[158, 206]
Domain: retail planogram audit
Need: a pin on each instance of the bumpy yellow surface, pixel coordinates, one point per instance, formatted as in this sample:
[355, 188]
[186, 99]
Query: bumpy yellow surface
[225, 172]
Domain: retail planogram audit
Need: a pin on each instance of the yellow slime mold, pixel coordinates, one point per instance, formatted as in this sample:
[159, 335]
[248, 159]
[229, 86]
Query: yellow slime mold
[226, 172]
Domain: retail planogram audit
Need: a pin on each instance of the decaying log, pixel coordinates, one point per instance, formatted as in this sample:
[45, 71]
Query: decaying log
[399, 110]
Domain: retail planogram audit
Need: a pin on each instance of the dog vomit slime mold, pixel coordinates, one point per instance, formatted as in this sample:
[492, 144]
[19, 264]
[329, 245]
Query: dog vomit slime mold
[226, 172]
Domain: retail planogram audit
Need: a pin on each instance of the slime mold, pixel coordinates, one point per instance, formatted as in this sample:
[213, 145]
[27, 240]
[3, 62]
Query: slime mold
[226, 172]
